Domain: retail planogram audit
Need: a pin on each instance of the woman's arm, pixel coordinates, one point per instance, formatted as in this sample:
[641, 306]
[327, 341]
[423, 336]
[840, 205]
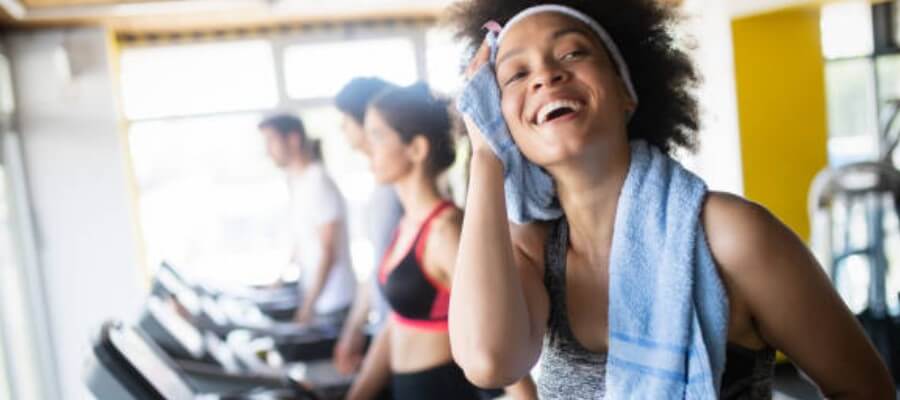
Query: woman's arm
[443, 249]
[376, 368]
[791, 300]
[524, 389]
[327, 241]
[350, 347]
[499, 307]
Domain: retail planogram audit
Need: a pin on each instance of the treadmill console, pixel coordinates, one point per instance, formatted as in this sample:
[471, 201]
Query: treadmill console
[145, 365]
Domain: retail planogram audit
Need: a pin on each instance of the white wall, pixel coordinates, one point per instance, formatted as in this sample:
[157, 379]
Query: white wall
[79, 188]
[719, 158]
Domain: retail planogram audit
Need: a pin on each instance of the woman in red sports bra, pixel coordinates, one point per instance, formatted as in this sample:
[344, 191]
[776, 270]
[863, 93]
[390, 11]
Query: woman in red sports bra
[409, 132]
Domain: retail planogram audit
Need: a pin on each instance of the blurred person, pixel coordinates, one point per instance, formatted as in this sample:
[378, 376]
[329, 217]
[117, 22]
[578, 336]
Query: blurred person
[411, 145]
[318, 222]
[570, 75]
[383, 212]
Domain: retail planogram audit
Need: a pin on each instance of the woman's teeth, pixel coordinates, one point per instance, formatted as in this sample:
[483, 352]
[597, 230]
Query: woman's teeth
[557, 108]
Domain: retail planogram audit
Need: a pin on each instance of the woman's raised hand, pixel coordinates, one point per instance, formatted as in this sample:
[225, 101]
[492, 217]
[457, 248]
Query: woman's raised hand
[482, 56]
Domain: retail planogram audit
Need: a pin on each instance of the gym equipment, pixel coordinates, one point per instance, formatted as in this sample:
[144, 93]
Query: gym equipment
[244, 357]
[851, 208]
[124, 364]
[222, 312]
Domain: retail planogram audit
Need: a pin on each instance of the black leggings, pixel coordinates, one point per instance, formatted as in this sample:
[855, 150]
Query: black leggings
[443, 382]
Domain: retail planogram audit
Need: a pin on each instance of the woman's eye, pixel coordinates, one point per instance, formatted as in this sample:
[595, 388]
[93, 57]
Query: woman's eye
[515, 77]
[573, 55]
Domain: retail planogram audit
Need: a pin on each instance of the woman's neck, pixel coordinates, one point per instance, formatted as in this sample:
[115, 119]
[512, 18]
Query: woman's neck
[418, 194]
[588, 190]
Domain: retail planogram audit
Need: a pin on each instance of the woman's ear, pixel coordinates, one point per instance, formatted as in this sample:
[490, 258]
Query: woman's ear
[418, 149]
[630, 105]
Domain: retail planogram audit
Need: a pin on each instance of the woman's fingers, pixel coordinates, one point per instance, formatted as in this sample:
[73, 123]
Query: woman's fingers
[481, 57]
[476, 137]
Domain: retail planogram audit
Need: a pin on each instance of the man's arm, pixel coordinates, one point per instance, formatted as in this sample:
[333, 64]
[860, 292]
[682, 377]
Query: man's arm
[327, 241]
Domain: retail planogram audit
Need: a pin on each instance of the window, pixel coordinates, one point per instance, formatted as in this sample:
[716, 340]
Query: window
[848, 46]
[319, 70]
[444, 57]
[861, 80]
[847, 29]
[202, 78]
[211, 201]
[888, 84]
[889, 91]
[862, 77]
[209, 198]
[852, 118]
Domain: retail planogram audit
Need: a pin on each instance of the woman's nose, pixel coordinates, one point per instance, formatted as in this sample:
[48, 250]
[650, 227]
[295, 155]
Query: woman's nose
[549, 75]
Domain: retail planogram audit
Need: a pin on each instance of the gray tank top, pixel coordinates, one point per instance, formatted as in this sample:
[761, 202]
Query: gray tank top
[570, 371]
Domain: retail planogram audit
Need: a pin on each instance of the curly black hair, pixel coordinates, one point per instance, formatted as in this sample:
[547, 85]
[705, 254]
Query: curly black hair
[664, 75]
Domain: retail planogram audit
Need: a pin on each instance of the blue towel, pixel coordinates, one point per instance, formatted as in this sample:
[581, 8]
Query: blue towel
[668, 311]
[530, 192]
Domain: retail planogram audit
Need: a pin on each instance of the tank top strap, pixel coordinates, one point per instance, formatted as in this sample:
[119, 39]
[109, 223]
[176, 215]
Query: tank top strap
[555, 278]
[382, 267]
[422, 240]
[425, 229]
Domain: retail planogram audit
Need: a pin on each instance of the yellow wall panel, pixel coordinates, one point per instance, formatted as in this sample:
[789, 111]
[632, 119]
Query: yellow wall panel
[781, 100]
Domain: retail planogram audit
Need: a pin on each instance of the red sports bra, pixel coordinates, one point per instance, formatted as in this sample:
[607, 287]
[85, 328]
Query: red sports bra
[416, 299]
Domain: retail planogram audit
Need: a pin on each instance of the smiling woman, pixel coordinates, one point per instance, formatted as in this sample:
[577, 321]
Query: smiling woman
[669, 118]
[648, 285]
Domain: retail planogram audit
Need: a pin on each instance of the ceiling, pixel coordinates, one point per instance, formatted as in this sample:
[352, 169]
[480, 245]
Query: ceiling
[175, 14]
[178, 14]
[59, 3]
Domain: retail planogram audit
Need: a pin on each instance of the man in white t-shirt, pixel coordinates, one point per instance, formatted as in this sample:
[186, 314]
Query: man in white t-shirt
[318, 220]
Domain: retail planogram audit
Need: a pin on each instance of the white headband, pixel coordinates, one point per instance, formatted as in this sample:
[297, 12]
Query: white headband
[611, 47]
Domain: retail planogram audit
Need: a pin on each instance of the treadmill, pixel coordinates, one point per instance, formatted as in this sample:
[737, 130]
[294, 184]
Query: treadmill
[244, 359]
[224, 315]
[278, 303]
[126, 365]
